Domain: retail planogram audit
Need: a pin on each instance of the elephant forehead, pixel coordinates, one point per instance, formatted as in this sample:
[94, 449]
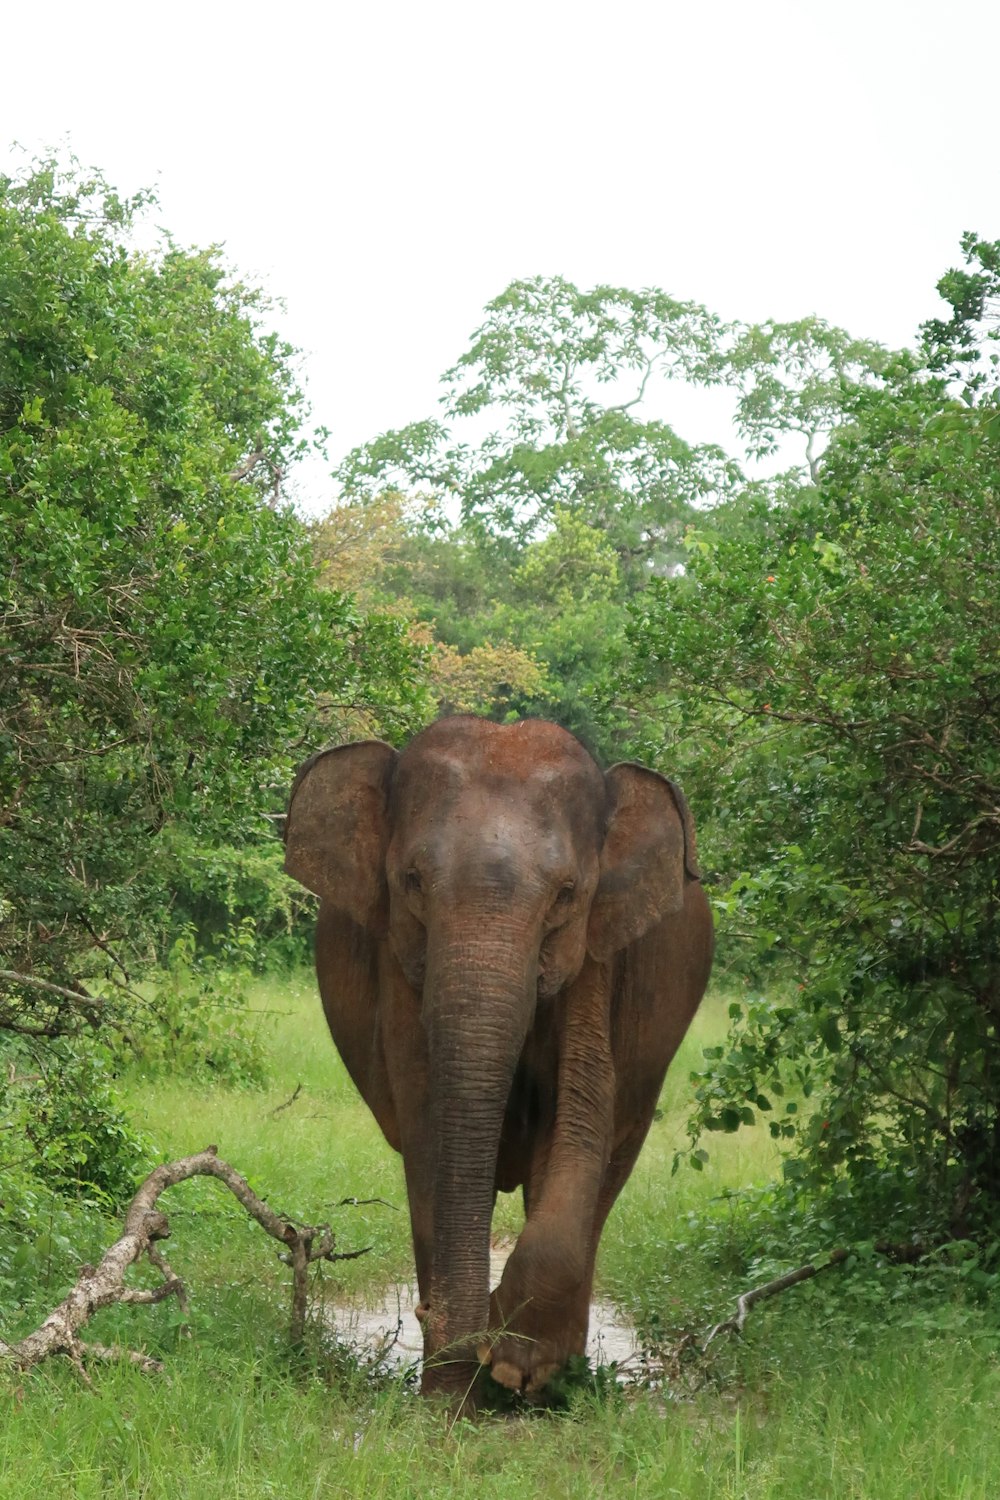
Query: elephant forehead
[489, 834]
[521, 751]
[490, 805]
[474, 821]
[533, 761]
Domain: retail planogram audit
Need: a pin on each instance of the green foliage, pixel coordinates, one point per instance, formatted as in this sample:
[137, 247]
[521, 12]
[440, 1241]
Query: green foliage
[61, 1100]
[196, 1021]
[566, 605]
[962, 346]
[164, 641]
[833, 651]
[165, 652]
[542, 365]
[487, 679]
[219, 890]
[793, 378]
[67, 1147]
[537, 534]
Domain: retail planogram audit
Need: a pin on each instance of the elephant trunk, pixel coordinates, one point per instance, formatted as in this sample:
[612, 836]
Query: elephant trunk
[479, 1001]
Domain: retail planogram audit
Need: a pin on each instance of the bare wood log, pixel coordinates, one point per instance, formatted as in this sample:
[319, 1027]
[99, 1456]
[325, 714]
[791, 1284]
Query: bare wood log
[144, 1362]
[145, 1226]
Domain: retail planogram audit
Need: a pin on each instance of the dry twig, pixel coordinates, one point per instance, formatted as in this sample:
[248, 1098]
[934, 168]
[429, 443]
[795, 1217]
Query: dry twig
[288, 1102]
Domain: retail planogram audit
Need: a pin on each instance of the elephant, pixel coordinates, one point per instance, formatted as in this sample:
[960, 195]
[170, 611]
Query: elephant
[510, 947]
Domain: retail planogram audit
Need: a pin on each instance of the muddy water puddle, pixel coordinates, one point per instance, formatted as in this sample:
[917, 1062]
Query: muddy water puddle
[390, 1333]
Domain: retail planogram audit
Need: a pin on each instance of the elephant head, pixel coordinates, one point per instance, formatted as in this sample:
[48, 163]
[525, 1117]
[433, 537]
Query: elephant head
[488, 864]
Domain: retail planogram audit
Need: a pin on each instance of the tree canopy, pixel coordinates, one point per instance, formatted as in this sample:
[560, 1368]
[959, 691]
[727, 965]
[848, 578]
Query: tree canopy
[806, 633]
[558, 376]
[164, 641]
[832, 653]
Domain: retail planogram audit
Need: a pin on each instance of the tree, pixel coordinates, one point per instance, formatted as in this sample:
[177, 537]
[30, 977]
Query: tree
[163, 637]
[542, 367]
[832, 657]
[560, 388]
[793, 379]
[489, 679]
[384, 551]
[567, 497]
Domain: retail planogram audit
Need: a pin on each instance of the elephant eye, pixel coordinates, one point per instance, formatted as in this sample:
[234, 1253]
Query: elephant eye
[565, 895]
[411, 880]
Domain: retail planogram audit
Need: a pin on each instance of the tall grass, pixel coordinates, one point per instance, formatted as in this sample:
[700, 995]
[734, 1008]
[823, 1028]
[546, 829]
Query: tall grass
[868, 1410]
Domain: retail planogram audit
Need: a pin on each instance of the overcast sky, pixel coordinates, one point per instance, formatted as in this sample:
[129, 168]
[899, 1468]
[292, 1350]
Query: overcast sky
[388, 168]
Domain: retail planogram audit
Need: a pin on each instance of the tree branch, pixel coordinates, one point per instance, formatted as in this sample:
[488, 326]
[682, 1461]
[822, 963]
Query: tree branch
[106, 948]
[248, 465]
[79, 997]
[736, 1323]
[288, 1102]
[275, 471]
[917, 846]
[144, 1226]
[651, 364]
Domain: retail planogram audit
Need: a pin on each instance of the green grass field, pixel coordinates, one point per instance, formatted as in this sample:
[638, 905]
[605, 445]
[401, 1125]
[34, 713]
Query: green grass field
[831, 1394]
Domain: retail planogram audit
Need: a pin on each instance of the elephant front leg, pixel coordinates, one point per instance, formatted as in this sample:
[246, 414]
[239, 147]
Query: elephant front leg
[540, 1310]
[403, 1043]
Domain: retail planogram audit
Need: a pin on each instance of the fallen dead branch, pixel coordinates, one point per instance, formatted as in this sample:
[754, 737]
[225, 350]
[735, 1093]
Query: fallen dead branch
[736, 1323]
[145, 1228]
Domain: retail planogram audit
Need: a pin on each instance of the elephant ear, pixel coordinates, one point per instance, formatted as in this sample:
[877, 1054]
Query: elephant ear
[649, 853]
[337, 827]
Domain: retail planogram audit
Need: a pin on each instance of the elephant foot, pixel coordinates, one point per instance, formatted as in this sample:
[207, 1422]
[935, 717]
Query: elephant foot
[532, 1335]
[524, 1375]
[540, 1311]
[525, 1358]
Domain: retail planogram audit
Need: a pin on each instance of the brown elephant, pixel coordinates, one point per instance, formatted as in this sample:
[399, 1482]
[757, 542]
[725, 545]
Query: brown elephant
[510, 947]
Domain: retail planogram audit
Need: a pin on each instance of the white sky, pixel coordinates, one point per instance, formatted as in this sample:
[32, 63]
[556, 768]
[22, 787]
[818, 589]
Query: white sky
[388, 168]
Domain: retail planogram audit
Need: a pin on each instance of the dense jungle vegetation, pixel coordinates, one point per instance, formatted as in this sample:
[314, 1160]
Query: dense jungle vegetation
[804, 631]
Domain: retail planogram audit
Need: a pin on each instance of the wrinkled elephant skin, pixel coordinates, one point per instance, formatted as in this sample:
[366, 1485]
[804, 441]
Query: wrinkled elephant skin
[510, 948]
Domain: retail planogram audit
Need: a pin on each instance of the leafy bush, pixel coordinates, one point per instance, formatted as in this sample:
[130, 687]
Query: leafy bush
[62, 1116]
[196, 1021]
[164, 638]
[833, 656]
[68, 1156]
[219, 890]
[166, 647]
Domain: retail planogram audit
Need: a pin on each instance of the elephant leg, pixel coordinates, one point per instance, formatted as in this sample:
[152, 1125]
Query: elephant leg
[649, 1024]
[542, 1303]
[576, 1308]
[404, 1043]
